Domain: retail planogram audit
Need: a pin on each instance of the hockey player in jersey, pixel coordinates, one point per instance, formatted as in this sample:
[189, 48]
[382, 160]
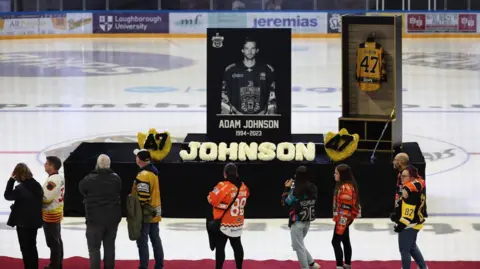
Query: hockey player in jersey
[346, 208]
[248, 87]
[301, 199]
[410, 217]
[53, 189]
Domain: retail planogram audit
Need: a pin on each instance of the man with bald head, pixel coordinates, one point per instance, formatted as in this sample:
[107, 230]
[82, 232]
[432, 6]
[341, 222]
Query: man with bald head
[101, 190]
[399, 163]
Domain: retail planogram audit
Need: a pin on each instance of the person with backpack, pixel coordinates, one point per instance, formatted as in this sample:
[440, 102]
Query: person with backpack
[228, 200]
[300, 197]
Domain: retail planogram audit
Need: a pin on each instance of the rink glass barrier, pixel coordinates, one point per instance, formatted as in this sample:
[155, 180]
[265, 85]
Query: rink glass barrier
[158, 23]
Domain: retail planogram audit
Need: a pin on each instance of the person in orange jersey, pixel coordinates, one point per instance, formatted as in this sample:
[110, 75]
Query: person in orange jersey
[228, 199]
[346, 208]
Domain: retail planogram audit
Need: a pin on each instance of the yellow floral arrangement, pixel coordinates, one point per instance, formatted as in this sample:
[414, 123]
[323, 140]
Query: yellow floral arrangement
[158, 144]
[339, 146]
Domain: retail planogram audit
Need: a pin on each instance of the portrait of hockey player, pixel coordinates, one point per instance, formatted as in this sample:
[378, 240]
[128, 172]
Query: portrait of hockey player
[249, 75]
[248, 87]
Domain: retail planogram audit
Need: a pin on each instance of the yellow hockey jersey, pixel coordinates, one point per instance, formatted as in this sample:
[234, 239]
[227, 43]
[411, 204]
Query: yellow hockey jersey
[370, 69]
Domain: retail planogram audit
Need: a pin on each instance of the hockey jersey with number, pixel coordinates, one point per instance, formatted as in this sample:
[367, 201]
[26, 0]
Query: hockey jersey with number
[370, 69]
[53, 193]
[220, 197]
[345, 208]
[301, 208]
[249, 90]
[411, 211]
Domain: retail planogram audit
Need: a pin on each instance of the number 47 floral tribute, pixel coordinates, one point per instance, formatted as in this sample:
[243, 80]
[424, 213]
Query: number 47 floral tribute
[266, 151]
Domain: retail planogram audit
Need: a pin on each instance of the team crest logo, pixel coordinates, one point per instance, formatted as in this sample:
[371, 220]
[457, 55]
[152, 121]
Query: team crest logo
[217, 41]
[106, 23]
[250, 98]
[339, 146]
[262, 76]
[335, 22]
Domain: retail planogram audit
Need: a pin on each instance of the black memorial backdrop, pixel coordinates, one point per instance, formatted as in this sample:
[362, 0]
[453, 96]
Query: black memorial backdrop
[224, 47]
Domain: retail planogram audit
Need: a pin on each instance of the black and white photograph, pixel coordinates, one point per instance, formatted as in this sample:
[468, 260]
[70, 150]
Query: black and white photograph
[248, 83]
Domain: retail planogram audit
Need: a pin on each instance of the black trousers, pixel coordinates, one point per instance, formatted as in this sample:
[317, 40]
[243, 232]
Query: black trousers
[236, 244]
[96, 234]
[344, 239]
[53, 237]
[27, 238]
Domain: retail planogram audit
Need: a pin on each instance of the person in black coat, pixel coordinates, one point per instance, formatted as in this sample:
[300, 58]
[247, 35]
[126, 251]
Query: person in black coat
[101, 190]
[26, 214]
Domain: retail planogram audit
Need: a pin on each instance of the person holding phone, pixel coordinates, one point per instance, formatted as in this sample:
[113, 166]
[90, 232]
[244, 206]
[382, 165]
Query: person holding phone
[26, 214]
[300, 197]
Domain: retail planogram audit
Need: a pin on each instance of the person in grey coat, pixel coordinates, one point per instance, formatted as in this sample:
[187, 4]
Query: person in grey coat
[101, 190]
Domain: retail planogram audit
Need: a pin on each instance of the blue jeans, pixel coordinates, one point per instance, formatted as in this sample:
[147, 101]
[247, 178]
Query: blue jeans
[407, 243]
[151, 230]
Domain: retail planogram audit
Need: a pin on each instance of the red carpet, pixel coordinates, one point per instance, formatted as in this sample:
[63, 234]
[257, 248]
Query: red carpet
[82, 263]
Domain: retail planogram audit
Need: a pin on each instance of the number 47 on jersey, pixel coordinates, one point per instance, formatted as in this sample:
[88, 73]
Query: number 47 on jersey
[370, 66]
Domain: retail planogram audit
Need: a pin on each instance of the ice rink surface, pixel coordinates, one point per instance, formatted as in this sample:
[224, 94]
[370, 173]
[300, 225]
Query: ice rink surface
[56, 93]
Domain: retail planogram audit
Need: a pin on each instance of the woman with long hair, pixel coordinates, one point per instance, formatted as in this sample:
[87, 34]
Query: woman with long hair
[300, 197]
[346, 207]
[228, 200]
[26, 214]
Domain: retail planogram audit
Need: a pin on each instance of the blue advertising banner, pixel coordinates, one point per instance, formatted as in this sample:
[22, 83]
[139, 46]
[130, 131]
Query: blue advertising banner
[127, 22]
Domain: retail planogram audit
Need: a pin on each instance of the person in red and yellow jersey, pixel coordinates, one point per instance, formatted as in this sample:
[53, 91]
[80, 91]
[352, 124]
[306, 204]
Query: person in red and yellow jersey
[346, 208]
[224, 203]
[52, 213]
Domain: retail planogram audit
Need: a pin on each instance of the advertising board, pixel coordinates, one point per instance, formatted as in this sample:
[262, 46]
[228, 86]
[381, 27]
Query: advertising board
[189, 23]
[299, 22]
[227, 20]
[19, 24]
[67, 23]
[442, 23]
[130, 22]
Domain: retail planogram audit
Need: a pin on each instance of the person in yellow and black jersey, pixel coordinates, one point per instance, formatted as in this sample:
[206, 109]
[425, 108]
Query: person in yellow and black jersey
[147, 187]
[409, 217]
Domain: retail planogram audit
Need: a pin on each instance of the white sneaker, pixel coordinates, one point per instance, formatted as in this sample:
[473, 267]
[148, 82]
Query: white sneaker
[346, 266]
[315, 266]
[340, 267]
